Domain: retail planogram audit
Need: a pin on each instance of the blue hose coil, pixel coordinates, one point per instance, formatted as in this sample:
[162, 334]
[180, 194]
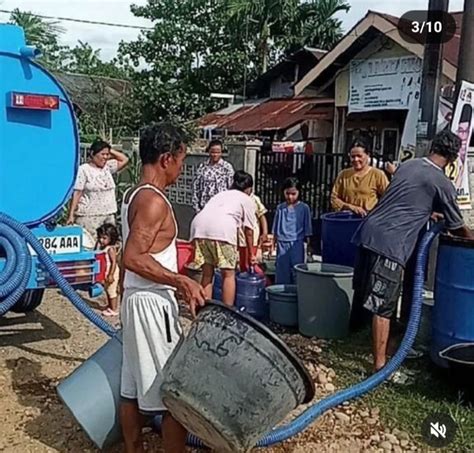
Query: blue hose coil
[14, 237]
[311, 414]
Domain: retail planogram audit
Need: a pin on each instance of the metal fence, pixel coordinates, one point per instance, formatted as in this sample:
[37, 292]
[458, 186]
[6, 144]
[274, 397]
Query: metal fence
[316, 173]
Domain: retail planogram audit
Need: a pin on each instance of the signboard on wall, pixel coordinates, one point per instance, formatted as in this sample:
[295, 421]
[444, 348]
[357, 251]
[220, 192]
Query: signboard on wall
[384, 83]
[462, 126]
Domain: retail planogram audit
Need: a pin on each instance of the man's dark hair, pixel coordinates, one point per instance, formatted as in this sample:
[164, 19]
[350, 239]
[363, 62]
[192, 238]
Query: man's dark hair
[242, 181]
[109, 230]
[361, 142]
[97, 146]
[291, 183]
[446, 144]
[160, 138]
[214, 143]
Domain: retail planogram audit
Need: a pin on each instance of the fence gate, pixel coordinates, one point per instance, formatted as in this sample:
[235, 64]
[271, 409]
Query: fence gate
[316, 173]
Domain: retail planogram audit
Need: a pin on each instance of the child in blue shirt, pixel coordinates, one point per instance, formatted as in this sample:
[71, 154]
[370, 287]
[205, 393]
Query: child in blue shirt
[291, 226]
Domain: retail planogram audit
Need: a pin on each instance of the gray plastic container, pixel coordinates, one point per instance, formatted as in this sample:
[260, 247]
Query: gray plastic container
[283, 302]
[231, 380]
[324, 299]
[92, 394]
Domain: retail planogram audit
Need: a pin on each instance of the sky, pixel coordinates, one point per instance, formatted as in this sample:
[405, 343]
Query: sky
[118, 11]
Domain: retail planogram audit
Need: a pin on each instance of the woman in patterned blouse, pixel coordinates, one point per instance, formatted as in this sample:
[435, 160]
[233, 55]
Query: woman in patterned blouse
[212, 177]
[93, 202]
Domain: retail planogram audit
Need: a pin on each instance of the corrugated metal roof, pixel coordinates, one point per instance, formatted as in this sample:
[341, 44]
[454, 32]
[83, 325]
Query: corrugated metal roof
[86, 90]
[275, 114]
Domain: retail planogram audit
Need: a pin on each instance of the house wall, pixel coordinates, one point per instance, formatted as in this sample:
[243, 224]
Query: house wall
[377, 49]
[280, 89]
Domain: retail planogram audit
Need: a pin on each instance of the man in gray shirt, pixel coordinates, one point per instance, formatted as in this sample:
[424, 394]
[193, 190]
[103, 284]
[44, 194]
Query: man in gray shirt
[388, 236]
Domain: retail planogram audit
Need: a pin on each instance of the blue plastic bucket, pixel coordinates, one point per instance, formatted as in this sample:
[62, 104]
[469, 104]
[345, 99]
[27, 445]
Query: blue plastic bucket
[338, 228]
[92, 394]
[453, 311]
[231, 380]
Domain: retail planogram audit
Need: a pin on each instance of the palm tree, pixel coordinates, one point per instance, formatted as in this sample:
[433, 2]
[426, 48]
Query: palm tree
[263, 18]
[39, 32]
[316, 24]
[287, 24]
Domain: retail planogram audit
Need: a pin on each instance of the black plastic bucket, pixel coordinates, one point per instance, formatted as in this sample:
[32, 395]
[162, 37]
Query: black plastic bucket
[460, 358]
[231, 380]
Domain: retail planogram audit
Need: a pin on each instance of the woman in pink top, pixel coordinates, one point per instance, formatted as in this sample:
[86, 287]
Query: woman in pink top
[215, 234]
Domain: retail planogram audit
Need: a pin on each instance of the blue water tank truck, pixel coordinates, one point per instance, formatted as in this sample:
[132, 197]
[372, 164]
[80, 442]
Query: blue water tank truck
[39, 159]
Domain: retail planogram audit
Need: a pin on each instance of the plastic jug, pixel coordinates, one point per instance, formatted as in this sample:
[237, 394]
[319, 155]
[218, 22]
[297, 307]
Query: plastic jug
[250, 294]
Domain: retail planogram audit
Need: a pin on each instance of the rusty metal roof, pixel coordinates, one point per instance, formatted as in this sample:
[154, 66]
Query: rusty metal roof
[274, 114]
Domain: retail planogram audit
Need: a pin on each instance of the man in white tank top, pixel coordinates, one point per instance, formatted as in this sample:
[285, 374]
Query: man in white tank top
[149, 312]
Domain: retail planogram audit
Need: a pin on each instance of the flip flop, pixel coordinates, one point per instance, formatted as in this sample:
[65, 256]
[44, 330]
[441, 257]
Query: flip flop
[109, 313]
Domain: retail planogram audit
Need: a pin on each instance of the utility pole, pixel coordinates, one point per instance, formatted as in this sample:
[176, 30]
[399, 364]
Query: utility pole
[466, 47]
[430, 83]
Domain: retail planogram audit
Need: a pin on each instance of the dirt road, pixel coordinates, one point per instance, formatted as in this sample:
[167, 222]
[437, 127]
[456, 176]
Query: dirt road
[39, 349]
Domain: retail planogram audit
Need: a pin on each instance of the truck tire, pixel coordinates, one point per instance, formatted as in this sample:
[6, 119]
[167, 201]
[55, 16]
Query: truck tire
[29, 301]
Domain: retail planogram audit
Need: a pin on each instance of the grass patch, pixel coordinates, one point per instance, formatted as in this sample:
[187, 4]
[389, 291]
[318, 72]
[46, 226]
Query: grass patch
[405, 406]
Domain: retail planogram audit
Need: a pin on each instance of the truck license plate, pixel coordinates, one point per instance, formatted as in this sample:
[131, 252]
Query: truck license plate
[58, 245]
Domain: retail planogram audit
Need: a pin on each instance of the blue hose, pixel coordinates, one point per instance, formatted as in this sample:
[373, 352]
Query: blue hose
[310, 415]
[14, 237]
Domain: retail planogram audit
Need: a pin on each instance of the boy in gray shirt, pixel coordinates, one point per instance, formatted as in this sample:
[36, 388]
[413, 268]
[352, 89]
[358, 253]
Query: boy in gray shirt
[388, 236]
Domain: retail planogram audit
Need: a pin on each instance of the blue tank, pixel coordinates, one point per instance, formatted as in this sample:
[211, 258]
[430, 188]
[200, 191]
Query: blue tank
[453, 311]
[39, 145]
[250, 294]
[336, 235]
[39, 159]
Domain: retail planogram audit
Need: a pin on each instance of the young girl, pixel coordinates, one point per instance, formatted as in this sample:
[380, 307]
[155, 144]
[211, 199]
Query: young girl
[107, 240]
[291, 226]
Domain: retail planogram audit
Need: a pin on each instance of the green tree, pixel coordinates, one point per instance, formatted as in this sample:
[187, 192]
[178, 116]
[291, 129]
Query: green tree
[267, 21]
[283, 25]
[191, 53]
[84, 59]
[316, 25]
[42, 34]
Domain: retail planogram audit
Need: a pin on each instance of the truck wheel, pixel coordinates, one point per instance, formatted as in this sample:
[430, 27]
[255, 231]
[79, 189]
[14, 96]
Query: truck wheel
[29, 301]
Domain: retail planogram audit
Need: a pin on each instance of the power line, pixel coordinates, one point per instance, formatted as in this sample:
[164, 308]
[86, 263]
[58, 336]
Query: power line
[82, 21]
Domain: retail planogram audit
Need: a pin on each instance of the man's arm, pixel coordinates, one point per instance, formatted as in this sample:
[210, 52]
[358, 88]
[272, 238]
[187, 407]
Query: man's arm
[149, 211]
[463, 232]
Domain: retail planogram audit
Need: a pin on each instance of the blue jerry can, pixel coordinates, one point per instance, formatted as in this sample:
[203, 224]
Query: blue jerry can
[250, 294]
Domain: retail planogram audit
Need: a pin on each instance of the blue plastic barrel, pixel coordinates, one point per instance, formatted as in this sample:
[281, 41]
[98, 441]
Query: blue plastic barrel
[250, 294]
[336, 235]
[453, 311]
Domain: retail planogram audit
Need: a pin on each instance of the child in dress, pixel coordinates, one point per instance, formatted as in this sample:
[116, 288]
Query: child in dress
[260, 234]
[291, 227]
[108, 241]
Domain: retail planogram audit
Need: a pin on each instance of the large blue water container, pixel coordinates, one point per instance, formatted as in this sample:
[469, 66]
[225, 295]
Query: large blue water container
[453, 311]
[250, 294]
[336, 235]
[39, 142]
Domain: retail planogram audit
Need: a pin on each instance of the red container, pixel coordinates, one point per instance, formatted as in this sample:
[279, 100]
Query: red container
[185, 255]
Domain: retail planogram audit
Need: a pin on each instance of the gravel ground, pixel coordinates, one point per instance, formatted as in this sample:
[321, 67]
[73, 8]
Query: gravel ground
[40, 349]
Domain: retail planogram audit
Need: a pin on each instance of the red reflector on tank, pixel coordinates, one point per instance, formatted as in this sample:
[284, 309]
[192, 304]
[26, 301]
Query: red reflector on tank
[34, 101]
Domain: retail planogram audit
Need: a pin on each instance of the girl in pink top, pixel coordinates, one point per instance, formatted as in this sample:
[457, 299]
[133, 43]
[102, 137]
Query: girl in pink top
[214, 232]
